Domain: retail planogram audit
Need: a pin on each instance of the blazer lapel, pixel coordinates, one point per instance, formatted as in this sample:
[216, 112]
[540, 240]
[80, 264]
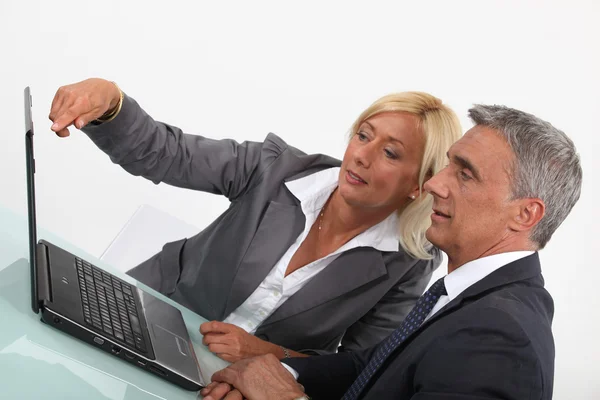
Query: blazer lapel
[278, 229]
[338, 278]
[520, 270]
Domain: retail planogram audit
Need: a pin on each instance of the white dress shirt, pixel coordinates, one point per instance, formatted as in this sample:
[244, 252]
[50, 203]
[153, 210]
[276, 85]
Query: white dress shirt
[472, 272]
[312, 191]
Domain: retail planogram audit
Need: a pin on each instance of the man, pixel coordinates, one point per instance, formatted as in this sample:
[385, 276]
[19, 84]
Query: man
[484, 330]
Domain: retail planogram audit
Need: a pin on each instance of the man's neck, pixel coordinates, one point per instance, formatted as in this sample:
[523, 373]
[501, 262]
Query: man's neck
[457, 259]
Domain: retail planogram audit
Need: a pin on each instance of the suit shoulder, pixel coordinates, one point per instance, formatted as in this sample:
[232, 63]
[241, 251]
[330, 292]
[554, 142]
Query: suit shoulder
[402, 256]
[519, 316]
[292, 162]
[402, 260]
[485, 316]
[280, 162]
[522, 305]
[481, 344]
[273, 146]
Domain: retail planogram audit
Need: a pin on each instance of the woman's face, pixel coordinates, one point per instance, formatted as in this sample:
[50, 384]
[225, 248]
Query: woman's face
[381, 164]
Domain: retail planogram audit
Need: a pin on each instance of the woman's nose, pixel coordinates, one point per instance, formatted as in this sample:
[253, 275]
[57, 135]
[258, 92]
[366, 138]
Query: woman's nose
[363, 155]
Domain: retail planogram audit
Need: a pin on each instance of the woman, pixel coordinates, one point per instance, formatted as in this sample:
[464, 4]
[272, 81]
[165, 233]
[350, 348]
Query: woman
[312, 253]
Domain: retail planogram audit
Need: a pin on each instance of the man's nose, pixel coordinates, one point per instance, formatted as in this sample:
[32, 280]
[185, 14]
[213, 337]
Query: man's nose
[436, 185]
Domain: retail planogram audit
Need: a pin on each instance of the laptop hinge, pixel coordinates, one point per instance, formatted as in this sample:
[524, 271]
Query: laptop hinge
[43, 274]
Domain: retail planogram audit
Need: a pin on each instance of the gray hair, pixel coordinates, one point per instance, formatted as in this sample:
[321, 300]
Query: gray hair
[546, 164]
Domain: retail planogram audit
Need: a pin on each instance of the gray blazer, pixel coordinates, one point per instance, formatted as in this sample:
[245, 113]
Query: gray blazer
[359, 299]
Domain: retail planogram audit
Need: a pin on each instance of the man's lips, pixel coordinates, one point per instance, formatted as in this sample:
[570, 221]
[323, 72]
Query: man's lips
[354, 178]
[440, 213]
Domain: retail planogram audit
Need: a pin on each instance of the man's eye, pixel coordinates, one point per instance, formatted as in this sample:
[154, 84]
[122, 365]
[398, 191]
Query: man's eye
[465, 176]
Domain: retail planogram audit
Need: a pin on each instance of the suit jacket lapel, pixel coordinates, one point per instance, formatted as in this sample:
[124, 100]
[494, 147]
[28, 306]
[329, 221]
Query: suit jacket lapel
[338, 278]
[280, 226]
[278, 229]
[525, 268]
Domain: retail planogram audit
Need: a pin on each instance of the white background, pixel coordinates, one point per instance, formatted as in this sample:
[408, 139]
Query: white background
[303, 70]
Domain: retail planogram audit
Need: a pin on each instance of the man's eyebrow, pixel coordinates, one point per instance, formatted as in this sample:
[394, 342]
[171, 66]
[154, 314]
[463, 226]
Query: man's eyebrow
[464, 163]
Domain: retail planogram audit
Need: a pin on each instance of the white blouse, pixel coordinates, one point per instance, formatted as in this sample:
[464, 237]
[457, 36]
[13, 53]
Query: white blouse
[312, 191]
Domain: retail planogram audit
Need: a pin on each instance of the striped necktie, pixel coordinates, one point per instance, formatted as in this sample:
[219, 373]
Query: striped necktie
[411, 323]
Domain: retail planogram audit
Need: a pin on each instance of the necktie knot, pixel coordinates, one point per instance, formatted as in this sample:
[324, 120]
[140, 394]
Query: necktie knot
[438, 288]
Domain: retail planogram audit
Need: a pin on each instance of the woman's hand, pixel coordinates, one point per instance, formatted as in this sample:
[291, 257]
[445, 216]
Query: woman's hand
[232, 343]
[82, 102]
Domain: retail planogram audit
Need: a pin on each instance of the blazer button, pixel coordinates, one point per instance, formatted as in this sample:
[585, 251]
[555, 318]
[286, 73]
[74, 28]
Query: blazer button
[262, 336]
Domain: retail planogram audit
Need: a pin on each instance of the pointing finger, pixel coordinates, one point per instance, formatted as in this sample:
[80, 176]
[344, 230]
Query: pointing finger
[63, 133]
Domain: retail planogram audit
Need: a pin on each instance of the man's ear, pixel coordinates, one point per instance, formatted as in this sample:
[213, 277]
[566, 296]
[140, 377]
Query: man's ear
[528, 214]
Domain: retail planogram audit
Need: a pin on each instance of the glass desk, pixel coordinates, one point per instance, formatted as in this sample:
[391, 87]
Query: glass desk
[39, 362]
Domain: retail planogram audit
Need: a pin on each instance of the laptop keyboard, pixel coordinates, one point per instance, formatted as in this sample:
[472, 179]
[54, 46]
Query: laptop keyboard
[109, 305]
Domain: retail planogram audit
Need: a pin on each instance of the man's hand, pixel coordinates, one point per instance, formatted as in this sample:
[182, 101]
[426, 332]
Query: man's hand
[258, 378]
[82, 102]
[220, 390]
[232, 343]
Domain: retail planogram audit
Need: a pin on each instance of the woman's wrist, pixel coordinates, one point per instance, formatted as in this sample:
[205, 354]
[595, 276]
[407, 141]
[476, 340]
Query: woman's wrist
[279, 352]
[276, 350]
[286, 352]
[114, 107]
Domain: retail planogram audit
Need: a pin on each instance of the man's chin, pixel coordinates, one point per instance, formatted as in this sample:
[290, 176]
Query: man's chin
[433, 235]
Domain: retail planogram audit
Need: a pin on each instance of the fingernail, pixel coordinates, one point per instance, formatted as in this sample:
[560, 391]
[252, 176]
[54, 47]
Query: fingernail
[54, 126]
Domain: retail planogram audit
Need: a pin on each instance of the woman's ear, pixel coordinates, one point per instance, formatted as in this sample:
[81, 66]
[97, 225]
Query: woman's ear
[415, 193]
[418, 190]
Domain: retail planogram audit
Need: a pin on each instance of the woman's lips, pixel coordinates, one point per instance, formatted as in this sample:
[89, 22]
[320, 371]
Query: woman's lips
[354, 179]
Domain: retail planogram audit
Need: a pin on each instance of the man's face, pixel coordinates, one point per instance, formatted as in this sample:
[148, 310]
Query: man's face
[472, 197]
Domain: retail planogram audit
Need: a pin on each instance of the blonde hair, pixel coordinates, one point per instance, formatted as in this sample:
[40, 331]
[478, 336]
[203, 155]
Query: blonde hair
[441, 128]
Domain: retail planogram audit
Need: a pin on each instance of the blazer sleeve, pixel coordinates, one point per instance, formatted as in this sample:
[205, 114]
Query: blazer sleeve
[329, 376]
[488, 356]
[390, 311]
[163, 153]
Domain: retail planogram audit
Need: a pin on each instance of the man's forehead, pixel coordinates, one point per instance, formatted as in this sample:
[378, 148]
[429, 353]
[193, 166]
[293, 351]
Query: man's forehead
[484, 147]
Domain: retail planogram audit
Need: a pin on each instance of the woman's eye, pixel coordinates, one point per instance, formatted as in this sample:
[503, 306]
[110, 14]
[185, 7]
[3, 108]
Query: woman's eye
[361, 136]
[390, 154]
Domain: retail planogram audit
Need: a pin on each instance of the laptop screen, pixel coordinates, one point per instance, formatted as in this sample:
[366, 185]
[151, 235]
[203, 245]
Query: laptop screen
[35, 304]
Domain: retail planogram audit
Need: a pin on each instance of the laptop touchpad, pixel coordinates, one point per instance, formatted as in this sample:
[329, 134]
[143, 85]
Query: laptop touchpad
[170, 341]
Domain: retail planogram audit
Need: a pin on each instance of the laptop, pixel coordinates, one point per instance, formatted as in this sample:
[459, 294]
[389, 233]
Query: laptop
[97, 307]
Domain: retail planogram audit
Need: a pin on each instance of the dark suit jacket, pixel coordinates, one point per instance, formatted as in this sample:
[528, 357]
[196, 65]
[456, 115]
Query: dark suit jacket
[494, 341]
[359, 298]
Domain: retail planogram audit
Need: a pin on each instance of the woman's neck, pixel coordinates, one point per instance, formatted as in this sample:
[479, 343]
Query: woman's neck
[340, 220]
